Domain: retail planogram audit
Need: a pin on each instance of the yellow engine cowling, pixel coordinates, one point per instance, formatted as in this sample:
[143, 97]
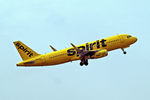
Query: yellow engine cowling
[100, 54]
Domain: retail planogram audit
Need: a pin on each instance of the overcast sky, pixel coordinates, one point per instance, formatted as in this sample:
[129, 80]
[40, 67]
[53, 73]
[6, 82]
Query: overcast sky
[39, 23]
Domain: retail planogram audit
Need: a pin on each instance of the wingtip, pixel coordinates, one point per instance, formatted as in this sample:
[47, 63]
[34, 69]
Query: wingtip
[72, 44]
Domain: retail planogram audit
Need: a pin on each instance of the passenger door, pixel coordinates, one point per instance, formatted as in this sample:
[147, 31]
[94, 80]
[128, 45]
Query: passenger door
[121, 38]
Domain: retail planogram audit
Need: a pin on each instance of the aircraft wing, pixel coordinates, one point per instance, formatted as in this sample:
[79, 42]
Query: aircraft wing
[84, 54]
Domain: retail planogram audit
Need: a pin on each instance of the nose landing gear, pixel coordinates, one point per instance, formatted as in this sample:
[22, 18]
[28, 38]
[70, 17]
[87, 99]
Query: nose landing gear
[124, 52]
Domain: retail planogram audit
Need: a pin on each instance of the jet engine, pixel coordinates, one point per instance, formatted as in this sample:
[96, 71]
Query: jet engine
[100, 54]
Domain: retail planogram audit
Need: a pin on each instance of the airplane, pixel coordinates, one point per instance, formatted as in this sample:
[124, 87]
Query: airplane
[84, 52]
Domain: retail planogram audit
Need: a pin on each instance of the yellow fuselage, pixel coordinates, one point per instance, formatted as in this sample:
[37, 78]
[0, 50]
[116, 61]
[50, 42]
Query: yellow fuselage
[69, 54]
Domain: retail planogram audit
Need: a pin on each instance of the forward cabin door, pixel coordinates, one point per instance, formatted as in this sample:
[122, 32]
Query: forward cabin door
[121, 38]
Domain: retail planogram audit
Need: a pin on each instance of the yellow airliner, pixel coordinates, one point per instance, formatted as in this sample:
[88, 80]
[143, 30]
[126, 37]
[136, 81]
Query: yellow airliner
[83, 52]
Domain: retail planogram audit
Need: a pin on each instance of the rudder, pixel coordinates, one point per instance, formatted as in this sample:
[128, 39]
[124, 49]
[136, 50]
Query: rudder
[24, 51]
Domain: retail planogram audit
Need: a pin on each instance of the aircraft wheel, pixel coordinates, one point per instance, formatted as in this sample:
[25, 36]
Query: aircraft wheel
[125, 52]
[86, 63]
[81, 64]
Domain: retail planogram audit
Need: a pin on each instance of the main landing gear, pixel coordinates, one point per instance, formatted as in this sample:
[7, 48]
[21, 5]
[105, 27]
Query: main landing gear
[83, 63]
[86, 63]
[124, 52]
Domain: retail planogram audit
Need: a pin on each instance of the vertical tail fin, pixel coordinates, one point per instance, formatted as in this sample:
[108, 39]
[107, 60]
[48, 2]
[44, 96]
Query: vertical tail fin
[24, 51]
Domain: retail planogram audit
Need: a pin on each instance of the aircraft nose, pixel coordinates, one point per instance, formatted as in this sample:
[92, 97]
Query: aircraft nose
[135, 39]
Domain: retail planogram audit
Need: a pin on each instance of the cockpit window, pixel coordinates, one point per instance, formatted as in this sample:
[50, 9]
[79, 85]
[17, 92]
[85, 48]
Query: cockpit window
[129, 36]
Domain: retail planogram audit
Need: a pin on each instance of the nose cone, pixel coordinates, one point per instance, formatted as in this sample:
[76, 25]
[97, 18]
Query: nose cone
[134, 39]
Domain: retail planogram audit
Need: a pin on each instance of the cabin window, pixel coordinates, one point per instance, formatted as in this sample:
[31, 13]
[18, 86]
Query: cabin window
[129, 36]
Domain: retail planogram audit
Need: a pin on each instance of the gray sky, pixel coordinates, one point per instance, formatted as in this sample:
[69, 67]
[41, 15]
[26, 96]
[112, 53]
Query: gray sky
[39, 23]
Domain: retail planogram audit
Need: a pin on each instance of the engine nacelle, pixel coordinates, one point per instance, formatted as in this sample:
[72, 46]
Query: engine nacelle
[100, 54]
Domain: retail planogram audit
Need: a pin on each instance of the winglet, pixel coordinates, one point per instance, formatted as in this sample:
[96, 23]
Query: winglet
[53, 48]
